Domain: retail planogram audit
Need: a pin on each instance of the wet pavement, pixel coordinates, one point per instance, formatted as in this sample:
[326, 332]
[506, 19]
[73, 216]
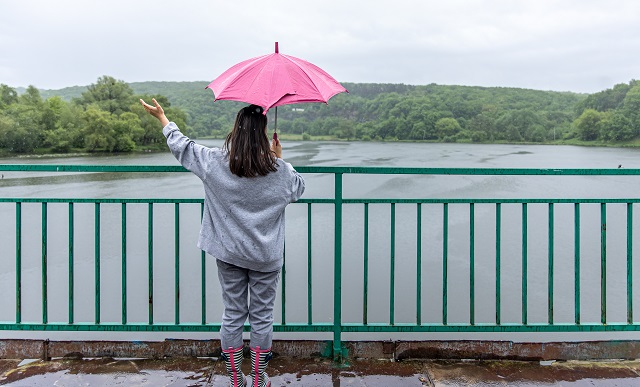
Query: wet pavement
[284, 371]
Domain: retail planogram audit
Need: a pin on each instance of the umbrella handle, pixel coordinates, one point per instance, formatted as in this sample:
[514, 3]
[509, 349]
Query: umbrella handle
[275, 128]
[275, 135]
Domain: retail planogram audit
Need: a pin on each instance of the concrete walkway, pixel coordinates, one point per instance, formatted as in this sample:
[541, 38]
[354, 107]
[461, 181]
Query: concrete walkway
[319, 372]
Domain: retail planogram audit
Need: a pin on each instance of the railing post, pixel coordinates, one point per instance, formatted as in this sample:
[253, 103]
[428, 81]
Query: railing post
[629, 263]
[123, 281]
[445, 261]
[176, 237]
[18, 263]
[498, 264]
[309, 268]
[71, 264]
[150, 260]
[338, 353]
[603, 263]
[203, 278]
[525, 276]
[576, 260]
[472, 265]
[97, 262]
[550, 279]
[45, 293]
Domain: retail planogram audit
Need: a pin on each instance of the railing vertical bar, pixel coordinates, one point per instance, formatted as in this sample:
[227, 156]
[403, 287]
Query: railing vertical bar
[445, 254]
[18, 262]
[392, 274]
[150, 260]
[629, 263]
[576, 264]
[337, 269]
[45, 309]
[603, 263]
[498, 264]
[365, 291]
[124, 261]
[71, 264]
[284, 284]
[472, 279]
[419, 264]
[176, 244]
[203, 277]
[551, 264]
[97, 261]
[309, 268]
[524, 264]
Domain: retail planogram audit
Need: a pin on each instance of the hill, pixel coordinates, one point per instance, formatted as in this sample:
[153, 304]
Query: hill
[387, 112]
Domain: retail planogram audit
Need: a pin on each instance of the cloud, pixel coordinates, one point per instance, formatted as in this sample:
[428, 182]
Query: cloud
[561, 45]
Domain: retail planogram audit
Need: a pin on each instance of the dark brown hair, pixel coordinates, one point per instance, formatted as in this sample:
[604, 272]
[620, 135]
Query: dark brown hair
[248, 146]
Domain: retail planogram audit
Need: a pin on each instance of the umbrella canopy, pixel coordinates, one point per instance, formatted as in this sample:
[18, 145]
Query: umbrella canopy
[273, 80]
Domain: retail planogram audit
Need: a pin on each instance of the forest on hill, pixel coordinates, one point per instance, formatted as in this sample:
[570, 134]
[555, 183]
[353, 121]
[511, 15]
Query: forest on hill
[106, 116]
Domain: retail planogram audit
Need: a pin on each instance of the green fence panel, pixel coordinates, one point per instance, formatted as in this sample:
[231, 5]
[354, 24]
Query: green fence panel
[336, 326]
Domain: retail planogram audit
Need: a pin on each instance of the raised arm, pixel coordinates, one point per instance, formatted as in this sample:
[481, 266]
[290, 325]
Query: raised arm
[192, 156]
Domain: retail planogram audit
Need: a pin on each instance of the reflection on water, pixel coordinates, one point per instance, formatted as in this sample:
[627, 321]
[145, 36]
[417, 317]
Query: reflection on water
[185, 185]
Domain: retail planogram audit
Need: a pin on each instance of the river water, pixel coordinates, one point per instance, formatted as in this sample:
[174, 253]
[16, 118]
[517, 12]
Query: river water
[184, 185]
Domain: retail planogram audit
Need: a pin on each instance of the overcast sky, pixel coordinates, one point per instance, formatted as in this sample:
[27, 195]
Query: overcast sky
[565, 45]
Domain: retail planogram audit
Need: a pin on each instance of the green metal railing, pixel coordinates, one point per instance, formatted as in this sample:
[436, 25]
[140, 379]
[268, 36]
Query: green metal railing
[336, 325]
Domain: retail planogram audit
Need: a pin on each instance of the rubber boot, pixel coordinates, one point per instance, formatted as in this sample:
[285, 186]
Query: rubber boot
[259, 360]
[233, 360]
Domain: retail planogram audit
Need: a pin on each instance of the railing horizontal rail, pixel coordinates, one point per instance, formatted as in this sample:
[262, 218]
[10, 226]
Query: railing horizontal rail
[332, 201]
[325, 327]
[99, 200]
[157, 327]
[332, 170]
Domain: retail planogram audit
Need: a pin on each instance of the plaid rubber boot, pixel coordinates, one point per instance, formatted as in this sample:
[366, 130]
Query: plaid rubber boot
[259, 360]
[233, 360]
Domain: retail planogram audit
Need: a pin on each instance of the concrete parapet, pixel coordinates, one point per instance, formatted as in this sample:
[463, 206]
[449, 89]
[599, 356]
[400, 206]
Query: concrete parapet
[397, 350]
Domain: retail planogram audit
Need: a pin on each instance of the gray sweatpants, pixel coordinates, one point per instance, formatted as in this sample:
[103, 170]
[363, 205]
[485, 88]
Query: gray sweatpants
[237, 283]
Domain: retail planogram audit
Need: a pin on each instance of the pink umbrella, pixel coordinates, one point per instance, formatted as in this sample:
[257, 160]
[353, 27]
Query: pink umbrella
[273, 80]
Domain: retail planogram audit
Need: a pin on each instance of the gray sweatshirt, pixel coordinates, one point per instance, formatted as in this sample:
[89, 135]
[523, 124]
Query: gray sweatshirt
[243, 220]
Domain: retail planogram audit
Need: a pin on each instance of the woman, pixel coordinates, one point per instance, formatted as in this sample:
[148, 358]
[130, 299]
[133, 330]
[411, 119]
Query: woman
[247, 186]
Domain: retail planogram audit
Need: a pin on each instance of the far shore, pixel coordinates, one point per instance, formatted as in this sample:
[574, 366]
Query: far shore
[46, 153]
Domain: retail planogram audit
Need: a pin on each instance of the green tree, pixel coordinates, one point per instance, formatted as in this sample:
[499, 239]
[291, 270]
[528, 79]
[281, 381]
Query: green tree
[300, 125]
[109, 94]
[484, 125]
[8, 96]
[447, 128]
[127, 130]
[17, 138]
[631, 108]
[98, 132]
[588, 125]
[615, 126]
[31, 97]
[609, 99]
[51, 113]
[538, 134]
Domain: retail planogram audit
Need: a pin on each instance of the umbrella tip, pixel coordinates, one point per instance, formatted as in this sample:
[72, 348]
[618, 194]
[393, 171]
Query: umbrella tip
[277, 47]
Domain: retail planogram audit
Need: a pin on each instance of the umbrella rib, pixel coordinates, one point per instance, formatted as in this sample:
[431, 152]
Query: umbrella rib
[303, 72]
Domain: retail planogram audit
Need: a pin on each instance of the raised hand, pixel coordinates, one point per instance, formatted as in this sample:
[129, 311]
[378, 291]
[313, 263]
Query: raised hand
[155, 111]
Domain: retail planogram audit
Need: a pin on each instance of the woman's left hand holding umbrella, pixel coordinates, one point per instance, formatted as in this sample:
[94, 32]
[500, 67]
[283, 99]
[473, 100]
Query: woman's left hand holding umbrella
[276, 147]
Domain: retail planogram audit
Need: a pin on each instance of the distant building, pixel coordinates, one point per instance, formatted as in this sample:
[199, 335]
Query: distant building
[297, 110]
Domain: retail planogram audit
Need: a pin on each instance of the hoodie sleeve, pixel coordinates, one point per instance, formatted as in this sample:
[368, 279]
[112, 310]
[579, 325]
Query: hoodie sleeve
[192, 156]
[297, 187]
